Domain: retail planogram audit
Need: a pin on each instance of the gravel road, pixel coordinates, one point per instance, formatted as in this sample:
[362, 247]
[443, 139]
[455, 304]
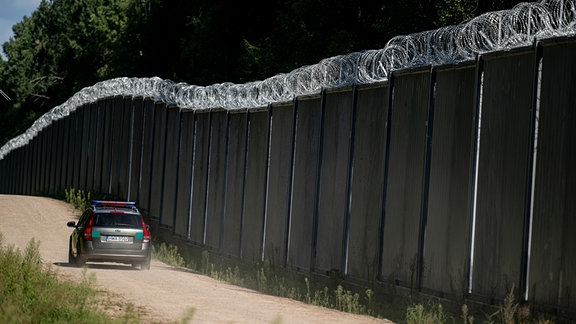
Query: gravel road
[162, 294]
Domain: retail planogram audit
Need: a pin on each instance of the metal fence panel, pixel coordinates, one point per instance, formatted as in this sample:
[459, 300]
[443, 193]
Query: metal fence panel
[116, 124]
[12, 173]
[35, 168]
[26, 167]
[6, 168]
[235, 172]
[333, 185]
[136, 146]
[185, 169]
[78, 135]
[57, 159]
[121, 170]
[8, 165]
[553, 262]
[13, 177]
[72, 150]
[278, 188]
[84, 148]
[146, 160]
[505, 150]
[200, 176]
[216, 179]
[35, 148]
[171, 176]
[23, 170]
[18, 171]
[107, 144]
[46, 159]
[367, 183]
[98, 134]
[405, 177]
[38, 165]
[54, 157]
[60, 155]
[4, 175]
[92, 111]
[305, 182]
[65, 142]
[446, 252]
[158, 159]
[255, 186]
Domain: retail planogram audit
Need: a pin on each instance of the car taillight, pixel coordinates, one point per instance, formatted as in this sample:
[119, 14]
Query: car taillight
[146, 238]
[88, 231]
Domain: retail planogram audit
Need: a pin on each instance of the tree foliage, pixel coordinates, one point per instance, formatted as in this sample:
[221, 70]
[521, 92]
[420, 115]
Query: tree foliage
[66, 45]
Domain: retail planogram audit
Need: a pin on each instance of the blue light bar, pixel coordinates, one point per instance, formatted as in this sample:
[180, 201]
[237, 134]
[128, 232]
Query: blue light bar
[107, 203]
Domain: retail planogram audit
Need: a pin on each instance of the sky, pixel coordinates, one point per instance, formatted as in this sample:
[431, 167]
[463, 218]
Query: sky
[11, 12]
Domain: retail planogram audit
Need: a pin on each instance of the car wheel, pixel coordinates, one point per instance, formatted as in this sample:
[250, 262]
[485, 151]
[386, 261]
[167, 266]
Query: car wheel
[71, 258]
[80, 262]
[145, 265]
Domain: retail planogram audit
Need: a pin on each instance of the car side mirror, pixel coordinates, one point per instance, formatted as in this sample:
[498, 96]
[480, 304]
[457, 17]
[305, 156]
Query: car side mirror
[71, 224]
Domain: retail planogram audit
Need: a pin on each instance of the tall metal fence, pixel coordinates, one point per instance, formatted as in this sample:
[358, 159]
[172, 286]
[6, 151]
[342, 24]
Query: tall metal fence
[455, 180]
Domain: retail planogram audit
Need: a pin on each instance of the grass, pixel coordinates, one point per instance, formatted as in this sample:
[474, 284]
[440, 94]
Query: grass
[282, 283]
[265, 278]
[31, 293]
[79, 199]
[510, 312]
[167, 253]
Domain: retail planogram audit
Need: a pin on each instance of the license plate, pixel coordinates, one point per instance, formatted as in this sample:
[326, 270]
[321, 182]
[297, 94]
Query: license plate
[116, 238]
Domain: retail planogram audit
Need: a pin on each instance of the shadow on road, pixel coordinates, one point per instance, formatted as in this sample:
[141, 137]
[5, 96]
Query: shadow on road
[102, 266]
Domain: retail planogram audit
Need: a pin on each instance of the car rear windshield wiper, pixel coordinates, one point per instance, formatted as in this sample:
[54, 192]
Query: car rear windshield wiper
[125, 225]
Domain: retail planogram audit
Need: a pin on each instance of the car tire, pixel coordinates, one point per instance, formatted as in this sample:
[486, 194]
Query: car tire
[80, 262]
[71, 258]
[145, 265]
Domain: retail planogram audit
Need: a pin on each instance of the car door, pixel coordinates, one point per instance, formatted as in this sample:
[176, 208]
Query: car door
[78, 230]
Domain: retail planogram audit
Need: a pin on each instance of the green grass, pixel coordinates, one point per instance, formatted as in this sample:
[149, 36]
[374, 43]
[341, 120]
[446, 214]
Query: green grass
[265, 278]
[30, 292]
[510, 312]
[167, 253]
[332, 294]
[79, 199]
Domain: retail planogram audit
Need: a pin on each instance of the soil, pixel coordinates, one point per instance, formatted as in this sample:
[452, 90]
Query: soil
[161, 295]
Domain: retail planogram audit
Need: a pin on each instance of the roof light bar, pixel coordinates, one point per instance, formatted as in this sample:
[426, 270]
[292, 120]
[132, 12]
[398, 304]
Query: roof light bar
[106, 203]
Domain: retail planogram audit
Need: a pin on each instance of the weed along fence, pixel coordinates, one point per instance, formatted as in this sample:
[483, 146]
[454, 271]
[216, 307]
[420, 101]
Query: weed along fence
[452, 180]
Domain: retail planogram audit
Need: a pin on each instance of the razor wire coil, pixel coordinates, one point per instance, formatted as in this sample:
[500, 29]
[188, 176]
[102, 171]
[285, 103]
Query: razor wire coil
[492, 31]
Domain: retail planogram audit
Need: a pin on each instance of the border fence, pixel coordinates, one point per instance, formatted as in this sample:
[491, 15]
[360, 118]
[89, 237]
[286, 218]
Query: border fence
[455, 180]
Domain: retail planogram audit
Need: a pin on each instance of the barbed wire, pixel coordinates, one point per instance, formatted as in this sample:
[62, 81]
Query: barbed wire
[493, 31]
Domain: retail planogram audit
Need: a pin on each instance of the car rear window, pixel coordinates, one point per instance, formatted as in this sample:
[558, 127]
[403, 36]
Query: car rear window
[117, 220]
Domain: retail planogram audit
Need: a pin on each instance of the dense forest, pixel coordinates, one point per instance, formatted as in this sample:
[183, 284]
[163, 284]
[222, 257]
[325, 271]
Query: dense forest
[66, 45]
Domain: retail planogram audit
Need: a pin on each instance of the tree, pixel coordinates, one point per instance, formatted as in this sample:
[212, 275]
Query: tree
[64, 46]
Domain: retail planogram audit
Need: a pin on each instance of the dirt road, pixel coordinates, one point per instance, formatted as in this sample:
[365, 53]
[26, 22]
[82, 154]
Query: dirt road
[162, 294]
